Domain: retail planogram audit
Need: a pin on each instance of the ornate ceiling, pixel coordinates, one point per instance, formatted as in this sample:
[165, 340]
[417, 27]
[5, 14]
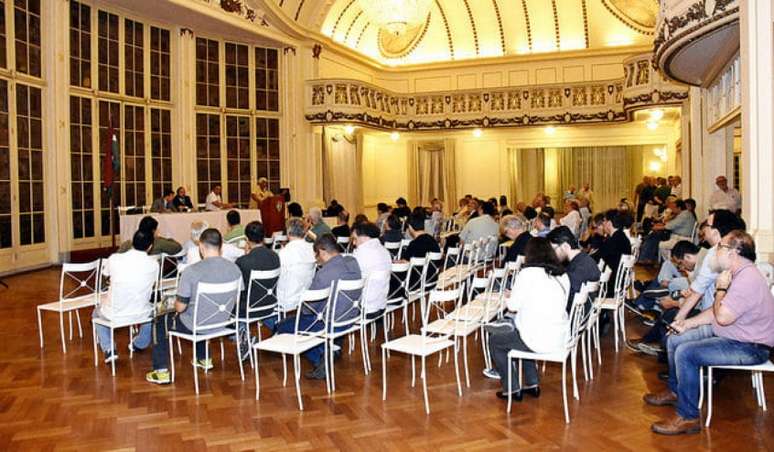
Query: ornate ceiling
[465, 29]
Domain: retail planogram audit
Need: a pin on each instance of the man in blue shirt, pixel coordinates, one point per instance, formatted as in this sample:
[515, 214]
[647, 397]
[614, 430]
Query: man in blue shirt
[678, 228]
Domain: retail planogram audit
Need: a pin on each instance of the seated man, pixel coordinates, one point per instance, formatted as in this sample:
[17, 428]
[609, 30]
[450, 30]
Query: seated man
[382, 212]
[297, 266]
[192, 254]
[342, 225]
[482, 227]
[317, 226]
[165, 204]
[515, 228]
[580, 267]
[736, 330]
[541, 225]
[235, 228]
[211, 269]
[132, 276]
[392, 231]
[160, 244]
[401, 209]
[676, 229]
[182, 201]
[595, 235]
[421, 244]
[615, 246]
[214, 202]
[372, 257]
[258, 258]
[334, 267]
[671, 278]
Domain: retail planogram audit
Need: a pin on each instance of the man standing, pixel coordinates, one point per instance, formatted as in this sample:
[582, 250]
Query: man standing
[211, 269]
[165, 203]
[260, 193]
[725, 197]
[736, 330]
[580, 267]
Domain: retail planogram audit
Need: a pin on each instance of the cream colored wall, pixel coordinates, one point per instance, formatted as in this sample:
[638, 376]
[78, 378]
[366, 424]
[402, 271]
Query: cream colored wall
[385, 170]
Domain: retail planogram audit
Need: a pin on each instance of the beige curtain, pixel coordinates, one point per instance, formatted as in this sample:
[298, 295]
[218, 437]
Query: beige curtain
[526, 174]
[343, 169]
[432, 173]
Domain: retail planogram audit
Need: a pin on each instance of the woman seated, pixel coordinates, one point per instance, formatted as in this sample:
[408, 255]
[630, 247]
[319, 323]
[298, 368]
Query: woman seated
[540, 323]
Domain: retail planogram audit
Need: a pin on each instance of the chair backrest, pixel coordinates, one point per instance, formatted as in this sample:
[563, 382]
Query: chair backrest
[239, 241]
[623, 276]
[268, 241]
[437, 302]
[434, 267]
[373, 282]
[85, 277]
[403, 244]
[305, 303]
[266, 281]
[347, 305]
[577, 316]
[453, 256]
[216, 306]
[399, 272]
[767, 270]
[280, 240]
[417, 266]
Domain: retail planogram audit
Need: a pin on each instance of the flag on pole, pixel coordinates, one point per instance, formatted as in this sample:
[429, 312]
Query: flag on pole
[111, 162]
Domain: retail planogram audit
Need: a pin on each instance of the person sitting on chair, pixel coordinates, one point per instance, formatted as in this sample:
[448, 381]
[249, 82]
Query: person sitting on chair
[165, 204]
[515, 228]
[235, 228]
[211, 269]
[182, 202]
[334, 267]
[538, 296]
[372, 257]
[160, 244]
[214, 201]
[580, 267]
[317, 226]
[342, 227]
[258, 258]
[392, 230]
[615, 246]
[736, 330]
[132, 276]
[297, 266]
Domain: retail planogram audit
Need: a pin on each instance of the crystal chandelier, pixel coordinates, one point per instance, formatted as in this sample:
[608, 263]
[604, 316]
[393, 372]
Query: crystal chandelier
[396, 16]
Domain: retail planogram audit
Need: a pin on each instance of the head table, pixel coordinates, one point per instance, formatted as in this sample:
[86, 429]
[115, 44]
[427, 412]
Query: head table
[178, 225]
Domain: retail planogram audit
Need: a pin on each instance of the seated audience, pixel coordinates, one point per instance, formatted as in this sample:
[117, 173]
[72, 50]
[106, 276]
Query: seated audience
[615, 246]
[342, 225]
[165, 204]
[334, 267]
[595, 235]
[679, 227]
[482, 227]
[579, 266]
[736, 330]
[421, 244]
[211, 269]
[192, 255]
[214, 201]
[382, 212]
[235, 228]
[503, 204]
[360, 218]
[372, 257]
[297, 263]
[295, 210]
[515, 228]
[392, 231]
[541, 225]
[160, 244]
[333, 209]
[132, 277]
[182, 202]
[572, 217]
[259, 257]
[538, 297]
[402, 209]
[317, 226]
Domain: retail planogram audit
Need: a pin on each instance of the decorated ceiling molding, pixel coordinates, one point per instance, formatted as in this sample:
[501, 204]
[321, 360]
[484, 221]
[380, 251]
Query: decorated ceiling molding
[694, 36]
[349, 101]
[464, 29]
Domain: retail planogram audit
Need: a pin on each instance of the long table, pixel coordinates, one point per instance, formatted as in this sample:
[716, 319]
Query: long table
[178, 225]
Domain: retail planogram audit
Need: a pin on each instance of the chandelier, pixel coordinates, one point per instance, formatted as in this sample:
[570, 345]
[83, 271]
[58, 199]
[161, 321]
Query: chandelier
[396, 16]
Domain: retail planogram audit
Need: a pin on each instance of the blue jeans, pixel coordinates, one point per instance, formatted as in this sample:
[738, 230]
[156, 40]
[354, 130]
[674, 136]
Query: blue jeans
[160, 352]
[649, 249]
[699, 347]
[140, 342]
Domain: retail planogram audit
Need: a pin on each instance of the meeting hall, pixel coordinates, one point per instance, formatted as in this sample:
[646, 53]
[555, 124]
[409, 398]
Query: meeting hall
[386, 224]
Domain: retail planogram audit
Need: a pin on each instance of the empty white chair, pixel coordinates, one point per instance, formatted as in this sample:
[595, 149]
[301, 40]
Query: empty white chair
[452, 256]
[295, 344]
[343, 243]
[374, 280]
[397, 298]
[616, 304]
[757, 384]
[224, 297]
[78, 284]
[592, 324]
[424, 345]
[343, 321]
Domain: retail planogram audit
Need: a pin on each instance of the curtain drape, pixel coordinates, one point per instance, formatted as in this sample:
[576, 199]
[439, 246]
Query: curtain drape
[526, 174]
[432, 172]
[343, 169]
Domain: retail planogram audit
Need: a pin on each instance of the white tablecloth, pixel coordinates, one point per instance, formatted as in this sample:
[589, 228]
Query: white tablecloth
[178, 225]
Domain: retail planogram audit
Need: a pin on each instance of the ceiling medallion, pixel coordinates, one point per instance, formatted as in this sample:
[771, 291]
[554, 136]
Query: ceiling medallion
[396, 16]
[399, 45]
[637, 14]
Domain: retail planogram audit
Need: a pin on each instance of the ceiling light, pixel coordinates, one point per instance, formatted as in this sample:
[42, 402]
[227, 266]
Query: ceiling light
[655, 166]
[349, 130]
[394, 136]
[395, 16]
[656, 115]
[652, 125]
[477, 133]
[550, 130]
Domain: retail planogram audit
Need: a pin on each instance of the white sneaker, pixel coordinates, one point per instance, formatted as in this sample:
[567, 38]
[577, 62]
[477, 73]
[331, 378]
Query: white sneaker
[205, 364]
[491, 373]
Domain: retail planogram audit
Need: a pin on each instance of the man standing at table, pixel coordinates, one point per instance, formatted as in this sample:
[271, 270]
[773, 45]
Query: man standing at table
[214, 201]
[260, 193]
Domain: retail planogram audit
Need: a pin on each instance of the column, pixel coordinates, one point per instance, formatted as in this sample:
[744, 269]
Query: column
[756, 19]
[183, 115]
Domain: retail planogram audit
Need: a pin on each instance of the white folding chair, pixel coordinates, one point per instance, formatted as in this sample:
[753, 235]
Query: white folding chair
[397, 299]
[238, 241]
[373, 280]
[756, 373]
[424, 345]
[616, 304]
[403, 245]
[78, 289]
[416, 281]
[434, 267]
[343, 242]
[576, 313]
[279, 241]
[224, 298]
[302, 340]
[453, 256]
[592, 328]
[394, 248]
[260, 308]
[349, 294]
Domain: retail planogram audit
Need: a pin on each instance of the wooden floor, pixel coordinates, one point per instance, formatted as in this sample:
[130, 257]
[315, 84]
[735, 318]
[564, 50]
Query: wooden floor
[53, 401]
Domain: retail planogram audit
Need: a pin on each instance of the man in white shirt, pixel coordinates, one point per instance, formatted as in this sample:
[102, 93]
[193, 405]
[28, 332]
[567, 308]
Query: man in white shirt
[677, 187]
[297, 264]
[725, 197]
[483, 226]
[132, 276]
[214, 201]
[572, 217]
[373, 257]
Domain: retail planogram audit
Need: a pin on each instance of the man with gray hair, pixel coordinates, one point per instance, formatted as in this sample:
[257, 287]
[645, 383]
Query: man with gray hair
[297, 264]
[317, 226]
[515, 228]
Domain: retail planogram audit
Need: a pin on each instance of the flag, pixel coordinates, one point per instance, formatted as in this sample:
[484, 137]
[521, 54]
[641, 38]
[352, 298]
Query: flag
[111, 162]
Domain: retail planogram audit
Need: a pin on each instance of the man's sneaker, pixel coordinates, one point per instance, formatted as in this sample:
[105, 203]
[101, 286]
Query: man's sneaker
[639, 286]
[110, 357]
[632, 306]
[650, 349]
[159, 377]
[491, 373]
[656, 293]
[318, 373]
[632, 345]
[205, 364]
[504, 325]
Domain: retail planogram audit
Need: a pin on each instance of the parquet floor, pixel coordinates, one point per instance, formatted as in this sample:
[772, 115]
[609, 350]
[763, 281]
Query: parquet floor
[53, 401]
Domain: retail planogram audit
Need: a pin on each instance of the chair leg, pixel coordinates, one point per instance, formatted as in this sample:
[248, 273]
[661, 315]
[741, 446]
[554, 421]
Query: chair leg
[239, 357]
[70, 322]
[457, 372]
[615, 323]
[179, 347]
[364, 349]
[465, 358]
[196, 373]
[257, 378]
[284, 370]
[598, 344]
[384, 373]
[94, 339]
[761, 391]
[78, 318]
[413, 371]
[709, 396]
[701, 387]
[564, 392]
[171, 359]
[574, 363]
[222, 351]
[510, 385]
[623, 324]
[424, 384]
[40, 326]
[331, 372]
[583, 357]
[112, 350]
[297, 375]
[62, 333]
